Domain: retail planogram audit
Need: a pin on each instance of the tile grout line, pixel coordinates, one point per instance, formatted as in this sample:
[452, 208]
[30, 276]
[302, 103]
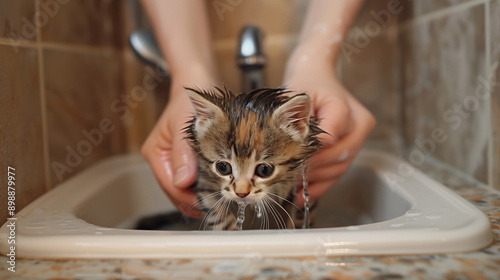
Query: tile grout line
[58, 46]
[487, 40]
[20, 43]
[43, 103]
[442, 13]
[78, 48]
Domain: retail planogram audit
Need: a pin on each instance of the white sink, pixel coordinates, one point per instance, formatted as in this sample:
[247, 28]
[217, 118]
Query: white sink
[367, 213]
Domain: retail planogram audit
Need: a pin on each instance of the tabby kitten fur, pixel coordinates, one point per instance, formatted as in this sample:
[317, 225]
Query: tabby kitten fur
[250, 147]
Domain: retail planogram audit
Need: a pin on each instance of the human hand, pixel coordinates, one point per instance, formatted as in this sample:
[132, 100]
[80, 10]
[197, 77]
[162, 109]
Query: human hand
[344, 118]
[170, 155]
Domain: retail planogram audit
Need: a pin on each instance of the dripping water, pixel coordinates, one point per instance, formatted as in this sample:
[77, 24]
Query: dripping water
[305, 184]
[305, 193]
[258, 211]
[240, 218]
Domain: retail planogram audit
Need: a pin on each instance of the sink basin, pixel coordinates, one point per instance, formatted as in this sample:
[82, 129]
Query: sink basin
[368, 212]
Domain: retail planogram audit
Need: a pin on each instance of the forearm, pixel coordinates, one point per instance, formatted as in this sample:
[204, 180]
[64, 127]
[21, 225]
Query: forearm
[183, 32]
[324, 28]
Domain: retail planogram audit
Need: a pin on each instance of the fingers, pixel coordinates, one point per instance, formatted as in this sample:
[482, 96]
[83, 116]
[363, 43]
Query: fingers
[348, 146]
[160, 160]
[187, 202]
[173, 163]
[335, 120]
[184, 164]
[329, 172]
[328, 166]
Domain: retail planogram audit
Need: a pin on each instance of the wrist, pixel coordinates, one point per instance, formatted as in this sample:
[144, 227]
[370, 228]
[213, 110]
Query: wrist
[192, 75]
[310, 59]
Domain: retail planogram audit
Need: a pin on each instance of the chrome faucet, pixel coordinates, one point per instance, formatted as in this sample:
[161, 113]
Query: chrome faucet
[251, 58]
[146, 48]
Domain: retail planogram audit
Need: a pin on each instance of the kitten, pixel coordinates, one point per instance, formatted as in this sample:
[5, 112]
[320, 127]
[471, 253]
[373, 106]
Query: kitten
[250, 147]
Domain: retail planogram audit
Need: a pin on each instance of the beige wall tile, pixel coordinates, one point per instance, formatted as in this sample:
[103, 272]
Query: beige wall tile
[85, 22]
[227, 18]
[17, 21]
[142, 118]
[426, 6]
[443, 63]
[280, 22]
[21, 138]
[374, 64]
[277, 48]
[494, 67]
[368, 65]
[84, 97]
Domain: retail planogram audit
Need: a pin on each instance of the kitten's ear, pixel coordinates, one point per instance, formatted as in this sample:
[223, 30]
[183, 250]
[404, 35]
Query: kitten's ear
[293, 116]
[205, 111]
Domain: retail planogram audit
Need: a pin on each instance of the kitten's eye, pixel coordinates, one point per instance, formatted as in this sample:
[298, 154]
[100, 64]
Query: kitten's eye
[224, 168]
[264, 170]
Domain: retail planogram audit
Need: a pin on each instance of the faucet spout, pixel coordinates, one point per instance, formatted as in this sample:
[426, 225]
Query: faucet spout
[251, 58]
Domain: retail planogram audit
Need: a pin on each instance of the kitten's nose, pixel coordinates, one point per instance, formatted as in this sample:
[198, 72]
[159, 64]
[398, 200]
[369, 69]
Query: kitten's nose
[242, 195]
[242, 187]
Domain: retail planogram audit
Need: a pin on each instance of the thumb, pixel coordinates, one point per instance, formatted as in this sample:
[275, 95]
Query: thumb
[184, 164]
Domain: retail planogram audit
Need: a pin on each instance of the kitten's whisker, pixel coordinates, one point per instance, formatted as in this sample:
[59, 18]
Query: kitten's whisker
[219, 210]
[281, 219]
[202, 199]
[290, 217]
[258, 202]
[280, 197]
[208, 216]
[266, 215]
[215, 221]
[228, 206]
[221, 214]
[224, 212]
[198, 202]
[268, 222]
[210, 213]
[275, 213]
[255, 204]
[268, 208]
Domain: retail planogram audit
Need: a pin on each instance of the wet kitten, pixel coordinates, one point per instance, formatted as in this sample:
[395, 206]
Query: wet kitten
[250, 147]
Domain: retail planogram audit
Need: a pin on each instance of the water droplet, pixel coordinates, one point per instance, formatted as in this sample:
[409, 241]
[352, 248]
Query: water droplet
[434, 215]
[352, 228]
[241, 214]
[305, 193]
[413, 213]
[258, 211]
[397, 225]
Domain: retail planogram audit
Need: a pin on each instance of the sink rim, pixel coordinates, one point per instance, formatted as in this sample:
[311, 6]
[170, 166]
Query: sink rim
[471, 232]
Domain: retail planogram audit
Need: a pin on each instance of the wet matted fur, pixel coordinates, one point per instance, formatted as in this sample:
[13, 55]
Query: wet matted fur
[250, 147]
